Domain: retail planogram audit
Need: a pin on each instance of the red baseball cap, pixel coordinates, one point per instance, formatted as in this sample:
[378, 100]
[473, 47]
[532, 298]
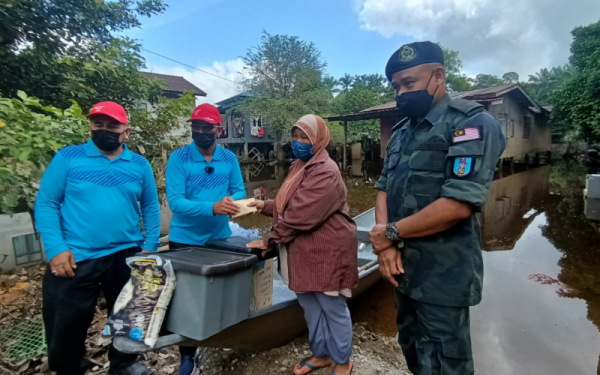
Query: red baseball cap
[206, 112]
[110, 109]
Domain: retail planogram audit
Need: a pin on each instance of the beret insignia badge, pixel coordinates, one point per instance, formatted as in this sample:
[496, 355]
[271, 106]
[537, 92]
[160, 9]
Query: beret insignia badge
[407, 54]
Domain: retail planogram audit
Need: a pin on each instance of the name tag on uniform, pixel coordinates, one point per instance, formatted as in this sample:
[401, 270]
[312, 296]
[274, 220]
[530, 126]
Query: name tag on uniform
[463, 166]
[467, 134]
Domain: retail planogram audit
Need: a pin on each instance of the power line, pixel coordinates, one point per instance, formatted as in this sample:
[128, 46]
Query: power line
[189, 66]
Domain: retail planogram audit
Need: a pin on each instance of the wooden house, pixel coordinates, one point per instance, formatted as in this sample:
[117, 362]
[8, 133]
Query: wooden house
[524, 122]
[248, 136]
[174, 86]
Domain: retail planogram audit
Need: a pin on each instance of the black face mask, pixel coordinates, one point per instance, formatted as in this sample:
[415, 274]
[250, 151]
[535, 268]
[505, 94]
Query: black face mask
[415, 104]
[106, 140]
[203, 140]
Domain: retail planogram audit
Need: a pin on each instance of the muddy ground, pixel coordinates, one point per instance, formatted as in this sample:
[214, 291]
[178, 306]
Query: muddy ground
[20, 301]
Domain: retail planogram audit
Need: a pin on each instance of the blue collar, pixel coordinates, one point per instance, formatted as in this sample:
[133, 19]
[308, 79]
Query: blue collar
[197, 156]
[92, 151]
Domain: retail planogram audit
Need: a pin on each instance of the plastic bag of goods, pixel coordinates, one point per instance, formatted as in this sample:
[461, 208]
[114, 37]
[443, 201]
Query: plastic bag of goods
[142, 304]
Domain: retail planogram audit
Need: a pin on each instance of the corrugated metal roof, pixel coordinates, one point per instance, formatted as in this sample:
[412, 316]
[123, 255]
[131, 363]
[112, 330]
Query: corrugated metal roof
[175, 84]
[489, 91]
[390, 105]
[472, 95]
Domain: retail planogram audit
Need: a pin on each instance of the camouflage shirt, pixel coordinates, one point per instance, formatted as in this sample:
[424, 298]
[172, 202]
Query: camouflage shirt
[453, 154]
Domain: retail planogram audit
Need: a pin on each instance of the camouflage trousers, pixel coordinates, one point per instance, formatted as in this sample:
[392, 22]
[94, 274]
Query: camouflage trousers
[435, 339]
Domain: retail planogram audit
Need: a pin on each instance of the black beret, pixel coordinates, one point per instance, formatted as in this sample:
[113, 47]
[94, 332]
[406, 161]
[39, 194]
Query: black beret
[411, 55]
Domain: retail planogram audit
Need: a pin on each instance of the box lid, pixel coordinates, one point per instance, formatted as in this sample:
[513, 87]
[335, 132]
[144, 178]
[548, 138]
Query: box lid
[206, 262]
[237, 244]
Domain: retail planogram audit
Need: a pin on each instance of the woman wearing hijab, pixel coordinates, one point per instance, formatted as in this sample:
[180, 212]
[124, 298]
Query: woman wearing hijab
[317, 243]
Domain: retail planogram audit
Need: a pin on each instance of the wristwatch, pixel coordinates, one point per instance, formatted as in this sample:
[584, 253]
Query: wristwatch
[391, 232]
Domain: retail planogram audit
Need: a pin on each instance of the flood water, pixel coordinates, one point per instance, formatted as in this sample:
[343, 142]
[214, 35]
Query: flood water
[540, 312]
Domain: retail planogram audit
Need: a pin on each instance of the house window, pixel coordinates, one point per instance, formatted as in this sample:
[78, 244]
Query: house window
[142, 105]
[503, 121]
[27, 249]
[511, 129]
[526, 126]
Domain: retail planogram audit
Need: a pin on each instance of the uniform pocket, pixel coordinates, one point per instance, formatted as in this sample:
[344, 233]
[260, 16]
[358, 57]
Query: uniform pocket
[428, 160]
[456, 358]
[457, 349]
[393, 160]
[427, 172]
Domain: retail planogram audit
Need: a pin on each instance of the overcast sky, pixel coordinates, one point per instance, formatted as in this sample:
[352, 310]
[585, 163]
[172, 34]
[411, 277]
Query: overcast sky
[493, 36]
[358, 36]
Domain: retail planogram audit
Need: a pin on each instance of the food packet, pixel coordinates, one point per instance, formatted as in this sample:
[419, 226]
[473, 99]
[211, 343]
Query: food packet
[142, 304]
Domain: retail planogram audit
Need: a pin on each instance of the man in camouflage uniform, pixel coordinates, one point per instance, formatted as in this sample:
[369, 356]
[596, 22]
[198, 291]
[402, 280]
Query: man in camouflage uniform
[435, 180]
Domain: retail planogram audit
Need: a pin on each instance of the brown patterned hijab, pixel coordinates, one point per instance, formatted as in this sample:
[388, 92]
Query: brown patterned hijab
[318, 133]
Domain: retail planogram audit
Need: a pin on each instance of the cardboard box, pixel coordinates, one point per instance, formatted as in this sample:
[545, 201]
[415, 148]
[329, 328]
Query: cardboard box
[262, 285]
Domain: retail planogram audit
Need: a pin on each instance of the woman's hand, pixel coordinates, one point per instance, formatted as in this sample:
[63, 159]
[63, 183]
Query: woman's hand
[259, 244]
[258, 204]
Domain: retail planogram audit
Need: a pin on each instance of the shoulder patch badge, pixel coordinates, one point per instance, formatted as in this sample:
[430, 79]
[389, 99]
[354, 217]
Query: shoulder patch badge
[463, 166]
[467, 134]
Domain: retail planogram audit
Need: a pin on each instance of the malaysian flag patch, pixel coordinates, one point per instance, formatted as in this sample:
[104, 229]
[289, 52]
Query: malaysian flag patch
[467, 134]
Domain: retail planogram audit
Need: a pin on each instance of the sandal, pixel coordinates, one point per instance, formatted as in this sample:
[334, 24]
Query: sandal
[351, 368]
[311, 367]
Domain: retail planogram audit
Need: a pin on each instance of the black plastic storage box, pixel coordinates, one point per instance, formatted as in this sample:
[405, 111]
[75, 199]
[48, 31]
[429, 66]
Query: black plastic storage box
[213, 291]
[237, 244]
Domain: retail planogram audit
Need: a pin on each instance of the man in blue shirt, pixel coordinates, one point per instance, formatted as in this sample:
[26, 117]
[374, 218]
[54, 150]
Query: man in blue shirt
[203, 181]
[89, 207]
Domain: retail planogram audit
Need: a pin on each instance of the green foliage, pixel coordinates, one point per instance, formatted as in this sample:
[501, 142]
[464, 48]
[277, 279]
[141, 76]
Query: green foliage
[544, 82]
[152, 133]
[285, 76]
[577, 102]
[345, 83]
[510, 78]
[29, 134]
[367, 91]
[52, 25]
[455, 80]
[482, 81]
[59, 50]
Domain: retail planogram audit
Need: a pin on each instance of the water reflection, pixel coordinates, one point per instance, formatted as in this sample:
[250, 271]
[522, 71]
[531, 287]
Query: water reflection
[514, 202]
[541, 304]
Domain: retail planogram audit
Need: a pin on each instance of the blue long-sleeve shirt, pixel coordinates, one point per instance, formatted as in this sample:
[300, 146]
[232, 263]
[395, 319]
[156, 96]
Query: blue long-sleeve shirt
[91, 205]
[192, 192]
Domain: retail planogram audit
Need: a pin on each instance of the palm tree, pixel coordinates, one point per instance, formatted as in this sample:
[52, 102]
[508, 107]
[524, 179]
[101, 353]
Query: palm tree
[331, 84]
[346, 82]
[547, 80]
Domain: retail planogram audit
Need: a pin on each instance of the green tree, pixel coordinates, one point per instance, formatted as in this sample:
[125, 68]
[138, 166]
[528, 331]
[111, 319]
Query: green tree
[152, 133]
[29, 134]
[455, 80]
[368, 90]
[577, 102]
[331, 84]
[345, 82]
[510, 77]
[543, 83]
[482, 81]
[285, 76]
[57, 50]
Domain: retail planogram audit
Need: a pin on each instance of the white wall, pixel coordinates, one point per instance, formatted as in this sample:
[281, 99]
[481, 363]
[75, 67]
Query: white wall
[19, 225]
